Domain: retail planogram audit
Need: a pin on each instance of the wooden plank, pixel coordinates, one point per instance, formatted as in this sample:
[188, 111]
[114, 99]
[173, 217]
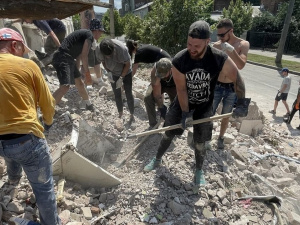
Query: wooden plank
[44, 9]
[89, 2]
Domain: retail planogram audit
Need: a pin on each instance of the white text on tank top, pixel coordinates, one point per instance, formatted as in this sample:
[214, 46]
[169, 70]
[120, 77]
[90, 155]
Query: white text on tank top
[198, 86]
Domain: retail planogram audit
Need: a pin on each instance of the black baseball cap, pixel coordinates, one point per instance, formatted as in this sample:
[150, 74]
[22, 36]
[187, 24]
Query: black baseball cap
[107, 46]
[200, 29]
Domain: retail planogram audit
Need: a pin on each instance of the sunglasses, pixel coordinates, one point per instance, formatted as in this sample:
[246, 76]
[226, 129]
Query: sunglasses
[223, 35]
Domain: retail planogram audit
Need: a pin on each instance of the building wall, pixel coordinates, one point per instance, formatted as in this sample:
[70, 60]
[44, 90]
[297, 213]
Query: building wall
[271, 5]
[220, 4]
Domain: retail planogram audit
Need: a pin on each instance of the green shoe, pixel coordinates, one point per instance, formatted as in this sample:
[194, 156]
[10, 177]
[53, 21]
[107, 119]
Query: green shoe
[199, 178]
[152, 165]
[208, 145]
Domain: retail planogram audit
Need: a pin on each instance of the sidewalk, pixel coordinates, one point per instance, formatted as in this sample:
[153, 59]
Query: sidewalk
[295, 58]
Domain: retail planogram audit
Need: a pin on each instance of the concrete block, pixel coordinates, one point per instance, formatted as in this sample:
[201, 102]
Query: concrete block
[248, 126]
[90, 143]
[75, 167]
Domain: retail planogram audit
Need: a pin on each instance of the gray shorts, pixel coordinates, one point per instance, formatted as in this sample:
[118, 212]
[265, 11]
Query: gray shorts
[282, 97]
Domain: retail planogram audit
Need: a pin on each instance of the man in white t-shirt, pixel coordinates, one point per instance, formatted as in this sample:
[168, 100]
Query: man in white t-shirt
[283, 92]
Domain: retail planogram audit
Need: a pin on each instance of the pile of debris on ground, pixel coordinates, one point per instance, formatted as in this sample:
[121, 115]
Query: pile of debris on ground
[99, 176]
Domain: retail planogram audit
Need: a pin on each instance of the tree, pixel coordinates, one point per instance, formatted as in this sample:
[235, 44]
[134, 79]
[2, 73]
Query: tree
[241, 15]
[132, 26]
[284, 32]
[167, 23]
[119, 26]
[76, 21]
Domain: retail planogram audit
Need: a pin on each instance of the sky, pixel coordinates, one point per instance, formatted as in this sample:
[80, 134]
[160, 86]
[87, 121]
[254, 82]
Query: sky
[118, 5]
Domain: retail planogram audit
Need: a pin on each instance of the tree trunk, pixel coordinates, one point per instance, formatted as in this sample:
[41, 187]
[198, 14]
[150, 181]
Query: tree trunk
[284, 32]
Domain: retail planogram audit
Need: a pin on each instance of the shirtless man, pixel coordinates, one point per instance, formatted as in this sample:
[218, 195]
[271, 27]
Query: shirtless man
[237, 49]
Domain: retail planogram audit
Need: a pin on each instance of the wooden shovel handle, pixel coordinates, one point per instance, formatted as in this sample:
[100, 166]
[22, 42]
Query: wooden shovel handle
[179, 125]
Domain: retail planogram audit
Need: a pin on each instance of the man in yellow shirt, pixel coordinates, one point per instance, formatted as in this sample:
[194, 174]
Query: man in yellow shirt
[22, 142]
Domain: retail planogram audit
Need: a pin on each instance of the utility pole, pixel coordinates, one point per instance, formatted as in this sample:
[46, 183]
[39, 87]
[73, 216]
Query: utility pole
[284, 32]
[112, 19]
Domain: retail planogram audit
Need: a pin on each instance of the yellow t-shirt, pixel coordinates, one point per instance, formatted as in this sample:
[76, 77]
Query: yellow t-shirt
[22, 90]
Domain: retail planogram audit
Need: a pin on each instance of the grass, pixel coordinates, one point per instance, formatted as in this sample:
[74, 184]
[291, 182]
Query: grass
[293, 66]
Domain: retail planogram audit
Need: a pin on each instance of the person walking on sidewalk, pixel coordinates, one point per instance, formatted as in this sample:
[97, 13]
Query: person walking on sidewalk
[116, 59]
[144, 53]
[237, 49]
[66, 61]
[295, 108]
[283, 92]
[22, 142]
[196, 70]
[161, 82]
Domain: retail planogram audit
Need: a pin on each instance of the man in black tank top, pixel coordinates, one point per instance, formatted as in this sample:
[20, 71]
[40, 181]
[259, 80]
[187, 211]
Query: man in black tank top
[161, 82]
[196, 70]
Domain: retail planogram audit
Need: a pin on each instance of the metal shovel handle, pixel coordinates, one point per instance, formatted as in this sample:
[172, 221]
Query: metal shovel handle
[172, 127]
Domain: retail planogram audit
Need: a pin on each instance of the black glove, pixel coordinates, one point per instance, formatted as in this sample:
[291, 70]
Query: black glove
[47, 127]
[186, 117]
[241, 109]
[163, 111]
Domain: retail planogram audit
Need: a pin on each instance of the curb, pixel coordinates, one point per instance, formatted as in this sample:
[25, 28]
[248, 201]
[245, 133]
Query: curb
[272, 67]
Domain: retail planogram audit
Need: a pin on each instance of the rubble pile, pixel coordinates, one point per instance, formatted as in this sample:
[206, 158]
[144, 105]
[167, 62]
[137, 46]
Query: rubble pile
[255, 180]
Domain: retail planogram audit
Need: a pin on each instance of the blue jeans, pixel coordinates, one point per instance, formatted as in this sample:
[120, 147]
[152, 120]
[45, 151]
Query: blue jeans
[226, 94]
[32, 154]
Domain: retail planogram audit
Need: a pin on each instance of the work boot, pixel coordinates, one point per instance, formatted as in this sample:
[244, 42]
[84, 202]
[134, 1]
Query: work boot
[90, 107]
[208, 145]
[199, 178]
[152, 165]
[40, 55]
[221, 143]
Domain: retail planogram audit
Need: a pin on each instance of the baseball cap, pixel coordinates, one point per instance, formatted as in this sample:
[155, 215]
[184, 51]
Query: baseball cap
[7, 34]
[200, 29]
[107, 46]
[95, 24]
[285, 70]
[163, 66]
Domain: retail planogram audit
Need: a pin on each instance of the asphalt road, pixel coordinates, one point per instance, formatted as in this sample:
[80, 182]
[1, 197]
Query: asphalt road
[262, 85]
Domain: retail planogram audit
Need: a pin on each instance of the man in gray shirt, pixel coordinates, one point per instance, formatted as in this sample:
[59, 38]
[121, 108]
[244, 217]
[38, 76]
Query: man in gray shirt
[283, 92]
[115, 58]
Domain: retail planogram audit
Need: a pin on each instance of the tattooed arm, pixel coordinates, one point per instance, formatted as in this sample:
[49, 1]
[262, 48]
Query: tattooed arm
[230, 72]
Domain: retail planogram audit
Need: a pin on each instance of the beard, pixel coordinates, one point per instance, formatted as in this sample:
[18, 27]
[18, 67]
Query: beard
[198, 54]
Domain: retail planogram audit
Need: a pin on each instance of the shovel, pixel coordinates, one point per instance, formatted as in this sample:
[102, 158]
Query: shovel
[179, 125]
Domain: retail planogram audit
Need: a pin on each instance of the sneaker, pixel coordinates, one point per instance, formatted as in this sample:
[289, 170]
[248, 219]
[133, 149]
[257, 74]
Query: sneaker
[152, 165]
[199, 178]
[272, 111]
[207, 145]
[90, 107]
[40, 55]
[286, 115]
[221, 143]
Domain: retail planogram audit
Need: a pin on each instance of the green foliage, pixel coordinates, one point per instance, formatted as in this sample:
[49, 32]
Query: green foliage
[265, 23]
[132, 26]
[166, 25]
[119, 26]
[241, 15]
[76, 21]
